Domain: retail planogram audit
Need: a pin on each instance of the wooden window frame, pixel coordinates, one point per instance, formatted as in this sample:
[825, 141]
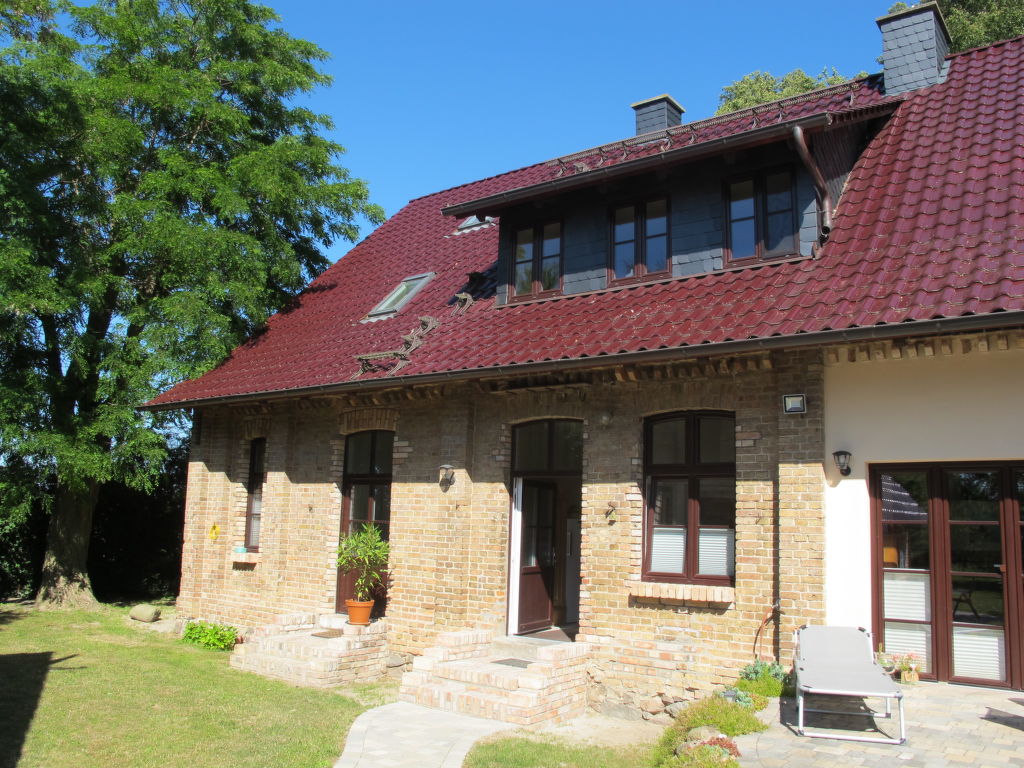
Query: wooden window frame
[691, 471]
[372, 480]
[640, 272]
[537, 261]
[760, 216]
[254, 486]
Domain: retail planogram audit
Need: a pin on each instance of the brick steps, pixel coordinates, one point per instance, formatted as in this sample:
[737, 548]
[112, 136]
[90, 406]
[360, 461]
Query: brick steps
[463, 674]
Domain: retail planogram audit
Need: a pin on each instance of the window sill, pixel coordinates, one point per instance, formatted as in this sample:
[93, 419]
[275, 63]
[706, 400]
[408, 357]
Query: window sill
[245, 557]
[684, 593]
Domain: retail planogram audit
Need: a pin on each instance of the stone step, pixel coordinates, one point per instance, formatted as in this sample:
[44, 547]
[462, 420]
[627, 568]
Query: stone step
[488, 674]
[518, 647]
[306, 647]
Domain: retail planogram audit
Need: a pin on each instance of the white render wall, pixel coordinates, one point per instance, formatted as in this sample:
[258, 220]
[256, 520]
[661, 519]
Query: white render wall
[941, 408]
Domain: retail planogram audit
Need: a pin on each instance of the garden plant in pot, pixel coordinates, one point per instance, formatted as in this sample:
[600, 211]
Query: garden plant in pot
[364, 553]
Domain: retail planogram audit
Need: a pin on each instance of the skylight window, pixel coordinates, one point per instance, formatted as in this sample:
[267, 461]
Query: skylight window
[400, 296]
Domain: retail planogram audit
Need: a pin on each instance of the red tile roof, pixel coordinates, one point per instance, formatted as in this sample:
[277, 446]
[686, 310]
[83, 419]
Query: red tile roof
[930, 226]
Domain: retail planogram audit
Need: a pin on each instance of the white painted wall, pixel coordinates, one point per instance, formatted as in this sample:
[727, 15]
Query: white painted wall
[957, 407]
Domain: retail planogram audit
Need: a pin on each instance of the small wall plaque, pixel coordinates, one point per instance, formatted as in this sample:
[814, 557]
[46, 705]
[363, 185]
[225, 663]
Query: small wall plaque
[794, 404]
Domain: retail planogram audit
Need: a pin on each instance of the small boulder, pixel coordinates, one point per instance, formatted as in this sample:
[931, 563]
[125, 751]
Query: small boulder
[653, 705]
[675, 708]
[397, 660]
[702, 733]
[146, 613]
[620, 711]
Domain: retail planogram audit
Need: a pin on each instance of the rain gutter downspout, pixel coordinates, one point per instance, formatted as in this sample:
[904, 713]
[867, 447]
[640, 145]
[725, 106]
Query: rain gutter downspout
[819, 180]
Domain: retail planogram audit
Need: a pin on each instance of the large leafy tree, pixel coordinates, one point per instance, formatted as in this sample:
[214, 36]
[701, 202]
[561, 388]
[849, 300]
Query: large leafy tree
[762, 87]
[161, 192]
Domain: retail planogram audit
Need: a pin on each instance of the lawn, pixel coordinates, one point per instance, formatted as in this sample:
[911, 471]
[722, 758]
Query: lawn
[518, 752]
[85, 690]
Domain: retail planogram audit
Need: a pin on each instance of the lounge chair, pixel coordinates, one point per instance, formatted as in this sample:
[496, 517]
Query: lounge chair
[840, 661]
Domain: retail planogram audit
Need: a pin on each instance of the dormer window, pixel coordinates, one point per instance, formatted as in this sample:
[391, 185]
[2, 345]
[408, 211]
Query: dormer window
[399, 297]
[537, 260]
[761, 213]
[639, 240]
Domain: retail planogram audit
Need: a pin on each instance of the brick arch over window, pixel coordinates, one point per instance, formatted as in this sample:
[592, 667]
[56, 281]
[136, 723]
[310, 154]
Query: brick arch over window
[368, 419]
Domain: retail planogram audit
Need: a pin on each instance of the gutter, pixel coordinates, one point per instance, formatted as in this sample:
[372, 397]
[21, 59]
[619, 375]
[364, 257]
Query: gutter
[493, 203]
[819, 181]
[992, 321]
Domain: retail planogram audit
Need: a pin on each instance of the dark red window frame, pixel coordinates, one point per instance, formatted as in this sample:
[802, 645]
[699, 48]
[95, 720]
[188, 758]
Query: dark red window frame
[760, 217]
[640, 240]
[691, 470]
[537, 260]
[254, 493]
[376, 482]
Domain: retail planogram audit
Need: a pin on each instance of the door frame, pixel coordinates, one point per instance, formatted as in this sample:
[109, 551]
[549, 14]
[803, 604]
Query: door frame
[1011, 525]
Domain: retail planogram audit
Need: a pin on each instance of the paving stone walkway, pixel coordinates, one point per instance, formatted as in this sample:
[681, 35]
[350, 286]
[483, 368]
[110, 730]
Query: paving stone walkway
[948, 726]
[407, 735]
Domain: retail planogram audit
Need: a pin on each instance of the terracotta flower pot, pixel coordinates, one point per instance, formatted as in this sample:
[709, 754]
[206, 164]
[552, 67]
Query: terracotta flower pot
[359, 611]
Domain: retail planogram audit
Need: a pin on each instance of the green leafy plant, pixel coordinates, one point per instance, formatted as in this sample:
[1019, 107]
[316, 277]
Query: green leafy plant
[217, 636]
[727, 717]
[366, 553]
[745, 698]
[762, 678]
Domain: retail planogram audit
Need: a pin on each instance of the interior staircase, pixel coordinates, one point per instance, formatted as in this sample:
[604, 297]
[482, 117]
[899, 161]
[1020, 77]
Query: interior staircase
[519, 680]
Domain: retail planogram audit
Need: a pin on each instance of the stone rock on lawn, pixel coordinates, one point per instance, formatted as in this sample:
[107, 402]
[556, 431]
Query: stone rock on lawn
[675, 708]
[654, 705]
[702, 733]
[146, 613]
[621, 711]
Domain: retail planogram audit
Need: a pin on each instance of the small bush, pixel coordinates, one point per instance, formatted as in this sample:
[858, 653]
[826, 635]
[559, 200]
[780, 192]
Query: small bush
[759, 669]
[724, 716]
[702, 755]
[218, 636]
[769, 687]
[744, 697]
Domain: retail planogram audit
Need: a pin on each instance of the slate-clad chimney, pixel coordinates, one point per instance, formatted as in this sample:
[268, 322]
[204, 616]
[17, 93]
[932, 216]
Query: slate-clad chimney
[657, 114]
[914, 47]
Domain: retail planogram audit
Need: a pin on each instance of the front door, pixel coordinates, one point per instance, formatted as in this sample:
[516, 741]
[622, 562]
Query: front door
[950, 568]
[537, 556]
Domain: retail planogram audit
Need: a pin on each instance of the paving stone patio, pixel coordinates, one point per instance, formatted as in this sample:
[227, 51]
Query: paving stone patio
[947, 725]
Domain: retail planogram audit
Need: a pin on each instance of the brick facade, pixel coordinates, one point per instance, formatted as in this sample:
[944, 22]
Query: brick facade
[450, 545]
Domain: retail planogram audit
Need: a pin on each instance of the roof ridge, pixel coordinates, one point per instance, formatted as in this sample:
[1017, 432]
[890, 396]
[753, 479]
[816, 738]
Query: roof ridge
[477, 181]
[977, 48]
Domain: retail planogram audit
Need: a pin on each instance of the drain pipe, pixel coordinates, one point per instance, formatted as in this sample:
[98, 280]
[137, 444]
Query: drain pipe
[819, 181]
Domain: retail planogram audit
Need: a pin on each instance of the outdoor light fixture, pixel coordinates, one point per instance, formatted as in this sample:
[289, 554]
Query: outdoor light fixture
[794, 403]
[447, 476]
[842, 459]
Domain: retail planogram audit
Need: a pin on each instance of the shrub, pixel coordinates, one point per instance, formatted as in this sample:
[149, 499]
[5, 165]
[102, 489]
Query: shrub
[760, 669]
[701, 755]
[744, 697]
[725, 716]
[218, 636]
[768, 687]
[762, 678]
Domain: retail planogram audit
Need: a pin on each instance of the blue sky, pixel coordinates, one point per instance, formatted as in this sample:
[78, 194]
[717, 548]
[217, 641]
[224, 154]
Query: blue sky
[429, 95]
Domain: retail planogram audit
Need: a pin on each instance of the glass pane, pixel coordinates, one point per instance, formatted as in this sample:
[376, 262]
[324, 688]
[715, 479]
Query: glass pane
[657, 217]
[975, 548]
[668, 441]
[742, 239]
[252, 533]
[549, 273]
[625, 259]
[257, 458]
[358, 506]
[741, 200]
[977, 600]
[717, 440]
[657, 253]
[552, 240]
[668, 550]
[357, 453]
[625, 228]
[979, 652]
[901, 639]
[524, 245]
[383, 449]
[778, 192]
[395, 298]
[1019, 483]
[531, 446]
[524, 278]
[382, 503]
[908, 596]
[717, 496]
[780, 237]
[670, 497]
[905, 496]
[973, 495]
[716, 552]
[568, 446]
[905, 546]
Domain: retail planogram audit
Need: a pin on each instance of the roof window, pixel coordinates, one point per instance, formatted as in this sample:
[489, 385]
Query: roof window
[399, 297]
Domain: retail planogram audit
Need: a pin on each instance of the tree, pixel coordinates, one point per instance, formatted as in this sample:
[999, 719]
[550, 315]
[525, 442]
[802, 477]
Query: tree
[761, 87]
[160, 194]
[972, 23]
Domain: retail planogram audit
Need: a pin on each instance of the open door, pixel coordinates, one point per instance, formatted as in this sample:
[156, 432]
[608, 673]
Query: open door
[537, 556]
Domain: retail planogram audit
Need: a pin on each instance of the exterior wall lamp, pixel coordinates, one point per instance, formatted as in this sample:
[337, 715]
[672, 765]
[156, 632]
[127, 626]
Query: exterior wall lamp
[842, 459]
[447, 479]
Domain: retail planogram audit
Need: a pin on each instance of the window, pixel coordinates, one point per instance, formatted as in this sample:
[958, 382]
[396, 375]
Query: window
[761, 217]
[640, 240]
[399, 297]
[690, 486]
[254, 500]
[367, 484]
[537, 259]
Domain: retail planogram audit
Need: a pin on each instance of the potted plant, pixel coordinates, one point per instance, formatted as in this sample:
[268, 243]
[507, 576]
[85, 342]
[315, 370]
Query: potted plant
[365, 553]
[910, 669]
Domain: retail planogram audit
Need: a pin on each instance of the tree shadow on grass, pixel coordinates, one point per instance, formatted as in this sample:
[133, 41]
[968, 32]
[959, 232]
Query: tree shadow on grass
[22, 679]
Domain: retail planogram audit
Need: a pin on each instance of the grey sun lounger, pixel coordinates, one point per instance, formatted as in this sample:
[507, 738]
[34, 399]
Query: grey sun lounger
[840, 661]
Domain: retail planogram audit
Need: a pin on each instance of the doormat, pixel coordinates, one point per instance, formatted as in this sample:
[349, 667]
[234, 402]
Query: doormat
[329, 633]
[521, 663]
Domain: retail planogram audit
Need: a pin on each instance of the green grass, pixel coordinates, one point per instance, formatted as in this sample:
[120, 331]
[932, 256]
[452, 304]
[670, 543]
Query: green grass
[517, 752]
[84, 690]
[725, 716]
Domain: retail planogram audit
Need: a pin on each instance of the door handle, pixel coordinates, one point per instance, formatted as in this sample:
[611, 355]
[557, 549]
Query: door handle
[1000, 567]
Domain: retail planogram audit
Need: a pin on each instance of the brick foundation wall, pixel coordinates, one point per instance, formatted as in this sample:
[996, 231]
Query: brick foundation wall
[449, 546]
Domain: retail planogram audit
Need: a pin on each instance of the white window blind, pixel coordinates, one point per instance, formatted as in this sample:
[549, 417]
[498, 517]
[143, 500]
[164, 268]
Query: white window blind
[668, 549]
[979, 652]
[910, 638]
[908, 596]
[717, 548]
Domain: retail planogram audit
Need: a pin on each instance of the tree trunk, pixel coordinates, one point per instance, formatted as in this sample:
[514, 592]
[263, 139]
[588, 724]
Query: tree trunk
[65, 582]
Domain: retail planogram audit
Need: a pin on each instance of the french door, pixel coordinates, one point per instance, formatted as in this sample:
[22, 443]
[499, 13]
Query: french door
[949, 581]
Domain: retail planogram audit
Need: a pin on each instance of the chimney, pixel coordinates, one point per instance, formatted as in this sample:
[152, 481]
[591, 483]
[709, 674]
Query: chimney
[657, 114]
[914, 47]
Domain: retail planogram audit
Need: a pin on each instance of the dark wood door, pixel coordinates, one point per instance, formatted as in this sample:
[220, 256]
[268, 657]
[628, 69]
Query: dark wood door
[365, 503]
[538, 555]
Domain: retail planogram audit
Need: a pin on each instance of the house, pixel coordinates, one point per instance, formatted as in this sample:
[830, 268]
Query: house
[670, 397]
